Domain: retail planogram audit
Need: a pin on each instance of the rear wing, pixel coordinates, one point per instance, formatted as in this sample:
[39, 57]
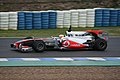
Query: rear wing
[100, 33]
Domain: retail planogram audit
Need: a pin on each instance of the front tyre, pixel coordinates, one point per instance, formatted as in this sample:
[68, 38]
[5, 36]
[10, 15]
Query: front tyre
[100, 44]
[39, 46]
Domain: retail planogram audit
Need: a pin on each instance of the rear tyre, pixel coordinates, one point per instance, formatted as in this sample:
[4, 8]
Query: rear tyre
[100, 44]
[39, 46]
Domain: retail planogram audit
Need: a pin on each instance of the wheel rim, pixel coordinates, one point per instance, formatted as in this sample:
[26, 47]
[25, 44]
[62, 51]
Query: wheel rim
[102, 45]
[40, 46]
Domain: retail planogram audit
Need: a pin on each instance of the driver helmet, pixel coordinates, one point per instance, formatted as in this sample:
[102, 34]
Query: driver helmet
[61, 36]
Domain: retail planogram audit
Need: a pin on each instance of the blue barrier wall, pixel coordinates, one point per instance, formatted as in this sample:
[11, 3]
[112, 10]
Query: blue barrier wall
[118, 22]
[28, 20]
[37, 20]
[37, 24]
[45, 20]
[21, 20]
[98, 17]
[52, 19]
[106, 17]
[113, 17]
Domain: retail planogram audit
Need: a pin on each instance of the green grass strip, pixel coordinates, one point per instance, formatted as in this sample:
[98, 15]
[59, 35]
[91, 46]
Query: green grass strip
[112, 31]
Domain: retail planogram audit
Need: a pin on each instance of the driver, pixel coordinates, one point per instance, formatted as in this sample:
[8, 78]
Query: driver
[61, 39]
[61, 36]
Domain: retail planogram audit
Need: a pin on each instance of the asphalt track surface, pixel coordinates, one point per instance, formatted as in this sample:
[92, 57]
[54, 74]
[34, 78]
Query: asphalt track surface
[113, 50]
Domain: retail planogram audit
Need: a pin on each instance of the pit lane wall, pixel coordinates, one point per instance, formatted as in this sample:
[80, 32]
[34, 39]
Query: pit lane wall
[22, 20]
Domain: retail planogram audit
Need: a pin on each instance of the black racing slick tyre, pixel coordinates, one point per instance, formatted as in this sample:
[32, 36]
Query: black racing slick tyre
[39, 46]
[100, 45]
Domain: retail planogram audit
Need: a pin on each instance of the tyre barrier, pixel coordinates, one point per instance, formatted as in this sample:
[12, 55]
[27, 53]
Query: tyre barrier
[74, 18]
[28, 20]
[12, 20]
[90, 18]
[22, 20]
[4, 20]
[60, 18]
[82, 18]
[118, 22]
[52, 19]
[37, 24]
[45, 19]
[66, 19]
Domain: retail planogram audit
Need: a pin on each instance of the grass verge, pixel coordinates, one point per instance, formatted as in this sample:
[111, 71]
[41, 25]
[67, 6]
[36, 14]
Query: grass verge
[112, 31]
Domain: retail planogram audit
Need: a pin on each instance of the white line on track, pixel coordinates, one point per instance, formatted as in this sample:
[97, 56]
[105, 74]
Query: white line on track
[3, 59]
[30, 59]
[96, 58]
[70, 59]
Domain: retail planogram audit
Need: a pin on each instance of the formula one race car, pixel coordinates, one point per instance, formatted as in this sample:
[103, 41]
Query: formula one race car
[93, 39]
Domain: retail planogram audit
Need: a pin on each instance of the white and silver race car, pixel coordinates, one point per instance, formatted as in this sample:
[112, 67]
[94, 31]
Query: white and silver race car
[91, 39]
